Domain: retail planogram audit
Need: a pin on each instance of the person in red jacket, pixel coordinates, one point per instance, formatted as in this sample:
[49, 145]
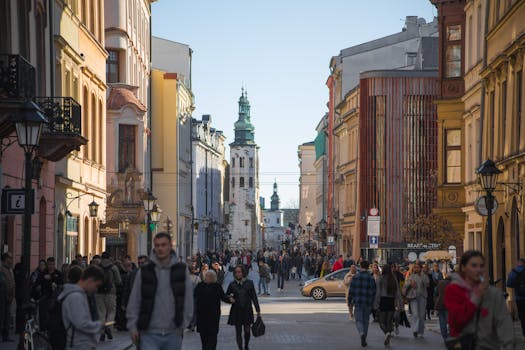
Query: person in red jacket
[476, 308]
[338, 264]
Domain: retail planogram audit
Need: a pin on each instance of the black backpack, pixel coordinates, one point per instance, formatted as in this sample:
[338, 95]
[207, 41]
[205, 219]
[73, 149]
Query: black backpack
[107, 285]
[519, 283]
[56, 329]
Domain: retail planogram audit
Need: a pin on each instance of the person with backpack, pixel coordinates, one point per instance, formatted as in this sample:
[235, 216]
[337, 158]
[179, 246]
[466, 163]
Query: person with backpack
[106, 296]
[71, 324]
[161, 302]
[516, 281]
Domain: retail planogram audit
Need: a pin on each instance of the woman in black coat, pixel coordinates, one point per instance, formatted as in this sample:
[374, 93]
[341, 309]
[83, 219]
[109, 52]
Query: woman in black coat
[241, 314]
[208, 295]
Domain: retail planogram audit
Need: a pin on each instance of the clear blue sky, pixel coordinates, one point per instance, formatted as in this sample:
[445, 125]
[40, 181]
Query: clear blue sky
[280, 51]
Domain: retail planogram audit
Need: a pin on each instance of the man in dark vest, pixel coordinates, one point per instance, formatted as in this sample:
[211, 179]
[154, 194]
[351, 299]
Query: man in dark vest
[160, 306]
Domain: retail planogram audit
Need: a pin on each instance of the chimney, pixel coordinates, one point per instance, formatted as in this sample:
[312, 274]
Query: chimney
[411, 23]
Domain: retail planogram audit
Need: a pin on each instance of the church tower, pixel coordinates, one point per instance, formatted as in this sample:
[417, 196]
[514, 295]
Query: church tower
[245, 217]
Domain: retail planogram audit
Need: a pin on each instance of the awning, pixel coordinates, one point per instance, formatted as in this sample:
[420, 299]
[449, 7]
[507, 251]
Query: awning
[438, 255]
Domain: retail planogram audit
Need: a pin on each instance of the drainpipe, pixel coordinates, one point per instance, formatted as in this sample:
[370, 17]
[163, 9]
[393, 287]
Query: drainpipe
[483, 83]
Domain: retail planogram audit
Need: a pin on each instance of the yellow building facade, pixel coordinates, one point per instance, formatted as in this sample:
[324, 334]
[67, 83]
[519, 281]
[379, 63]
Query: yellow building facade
[503, 136]
[346, 132]
[81, 177]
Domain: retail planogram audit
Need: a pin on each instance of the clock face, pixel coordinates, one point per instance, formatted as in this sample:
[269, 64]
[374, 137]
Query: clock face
[374, 212]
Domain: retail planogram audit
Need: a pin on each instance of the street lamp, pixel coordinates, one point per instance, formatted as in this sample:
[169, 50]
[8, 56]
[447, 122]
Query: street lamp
[28, 122]
[93, 209]
[149, 201]
[488, 177]
[309, 229]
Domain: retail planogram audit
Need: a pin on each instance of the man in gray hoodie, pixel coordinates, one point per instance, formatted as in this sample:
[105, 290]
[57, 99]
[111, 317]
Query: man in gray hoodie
[82, 331]
[160, 306]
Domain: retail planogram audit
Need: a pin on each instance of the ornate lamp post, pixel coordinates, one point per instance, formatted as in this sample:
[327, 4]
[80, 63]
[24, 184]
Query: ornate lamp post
[149, 201]
[309, 229]
[93, 209]
[29, 122]
[488, 177]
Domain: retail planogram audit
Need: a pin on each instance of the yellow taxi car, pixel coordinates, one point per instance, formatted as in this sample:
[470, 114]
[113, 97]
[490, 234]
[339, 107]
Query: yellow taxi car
[330, 285]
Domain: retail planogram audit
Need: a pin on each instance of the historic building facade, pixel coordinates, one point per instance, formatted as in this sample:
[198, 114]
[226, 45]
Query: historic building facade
[208, 178]
[172, 107]
[450, 109]
[128, 125]
[273, 220]
[244, 205]
[307, 187]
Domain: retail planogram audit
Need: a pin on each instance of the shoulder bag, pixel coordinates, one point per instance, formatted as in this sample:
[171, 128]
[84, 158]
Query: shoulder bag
[465, 341]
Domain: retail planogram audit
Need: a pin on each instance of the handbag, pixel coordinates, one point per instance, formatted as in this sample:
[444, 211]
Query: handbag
[387, 304]
[464, 341]
[258, 328]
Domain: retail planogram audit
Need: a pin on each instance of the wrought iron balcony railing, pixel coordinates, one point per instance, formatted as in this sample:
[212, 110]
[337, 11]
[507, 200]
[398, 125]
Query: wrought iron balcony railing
[17, 78]
[64, 114]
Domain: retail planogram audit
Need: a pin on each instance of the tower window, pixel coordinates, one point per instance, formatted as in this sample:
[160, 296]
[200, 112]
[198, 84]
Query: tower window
[233, 162]
[233, 182]
[250, 182]
[241, 162]
[251, 162]
[241, 182]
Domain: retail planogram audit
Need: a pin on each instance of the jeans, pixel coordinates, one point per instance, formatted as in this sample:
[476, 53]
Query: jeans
[386, 321]
[262, 282]
[153, 341]
[362, 318]
[443, 325]
[419, 309]
[520, 305]
[280, 280]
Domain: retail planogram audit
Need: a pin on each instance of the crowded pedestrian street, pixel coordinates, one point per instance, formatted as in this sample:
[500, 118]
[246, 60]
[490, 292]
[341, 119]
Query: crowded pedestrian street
[294, 322]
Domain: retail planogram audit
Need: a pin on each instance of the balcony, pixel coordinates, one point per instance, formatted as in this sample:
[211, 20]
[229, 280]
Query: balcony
[17, 84]
[63, 133]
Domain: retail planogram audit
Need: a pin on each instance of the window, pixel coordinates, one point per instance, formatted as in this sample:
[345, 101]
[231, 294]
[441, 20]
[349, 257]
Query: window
[453, 68]
[453, 53]
[503, 132]
[519, 107]
[233, 182]
[112, 67]
[453, 156]
[233, 162]
[251, 162]
[278, 221]
[241, 162]
[411, 58]
[126, 147]
[241, 182]
[250, 182]
[492, 103]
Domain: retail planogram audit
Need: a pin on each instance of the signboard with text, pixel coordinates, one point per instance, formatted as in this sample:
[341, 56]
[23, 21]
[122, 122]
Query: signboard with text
[14, 201]
[373, 227]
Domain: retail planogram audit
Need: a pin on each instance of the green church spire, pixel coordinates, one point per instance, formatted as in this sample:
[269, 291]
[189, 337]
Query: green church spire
[244, 129]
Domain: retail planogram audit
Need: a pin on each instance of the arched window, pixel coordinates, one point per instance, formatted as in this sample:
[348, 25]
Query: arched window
[94, 236]
[101, 138]
[42, 227]
[85, 118]
[86, 237]
[241, 182]
[93, 128]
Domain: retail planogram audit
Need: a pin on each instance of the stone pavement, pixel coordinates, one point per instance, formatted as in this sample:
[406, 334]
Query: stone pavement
[294, 322]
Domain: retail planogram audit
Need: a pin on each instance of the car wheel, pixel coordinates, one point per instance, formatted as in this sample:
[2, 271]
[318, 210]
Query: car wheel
[318, 293]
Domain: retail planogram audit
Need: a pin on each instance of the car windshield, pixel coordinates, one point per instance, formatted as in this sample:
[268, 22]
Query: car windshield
[339, 275]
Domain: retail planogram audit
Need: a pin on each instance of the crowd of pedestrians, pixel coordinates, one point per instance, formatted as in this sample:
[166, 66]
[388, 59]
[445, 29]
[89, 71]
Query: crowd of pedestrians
[163, 295]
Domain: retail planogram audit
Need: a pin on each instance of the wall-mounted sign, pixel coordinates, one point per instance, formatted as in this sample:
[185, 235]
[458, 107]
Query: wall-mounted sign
[14, 201]
[373, 241]
[108, 231]
[373, 227]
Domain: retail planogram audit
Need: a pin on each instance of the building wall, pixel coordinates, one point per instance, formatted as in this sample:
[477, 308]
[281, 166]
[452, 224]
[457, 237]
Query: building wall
[80, 71]
[397, 156]
[208, 188]
[244, 201]
[502, 120]
[307, 185]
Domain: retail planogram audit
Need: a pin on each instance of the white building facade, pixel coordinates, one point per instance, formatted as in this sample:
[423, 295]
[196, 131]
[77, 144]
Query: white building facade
[244, 207]
[273, 220]
[208, 173]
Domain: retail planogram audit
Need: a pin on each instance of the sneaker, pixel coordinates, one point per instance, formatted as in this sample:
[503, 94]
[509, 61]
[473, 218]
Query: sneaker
[387, 340]
[415, 334]
[363, 341]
